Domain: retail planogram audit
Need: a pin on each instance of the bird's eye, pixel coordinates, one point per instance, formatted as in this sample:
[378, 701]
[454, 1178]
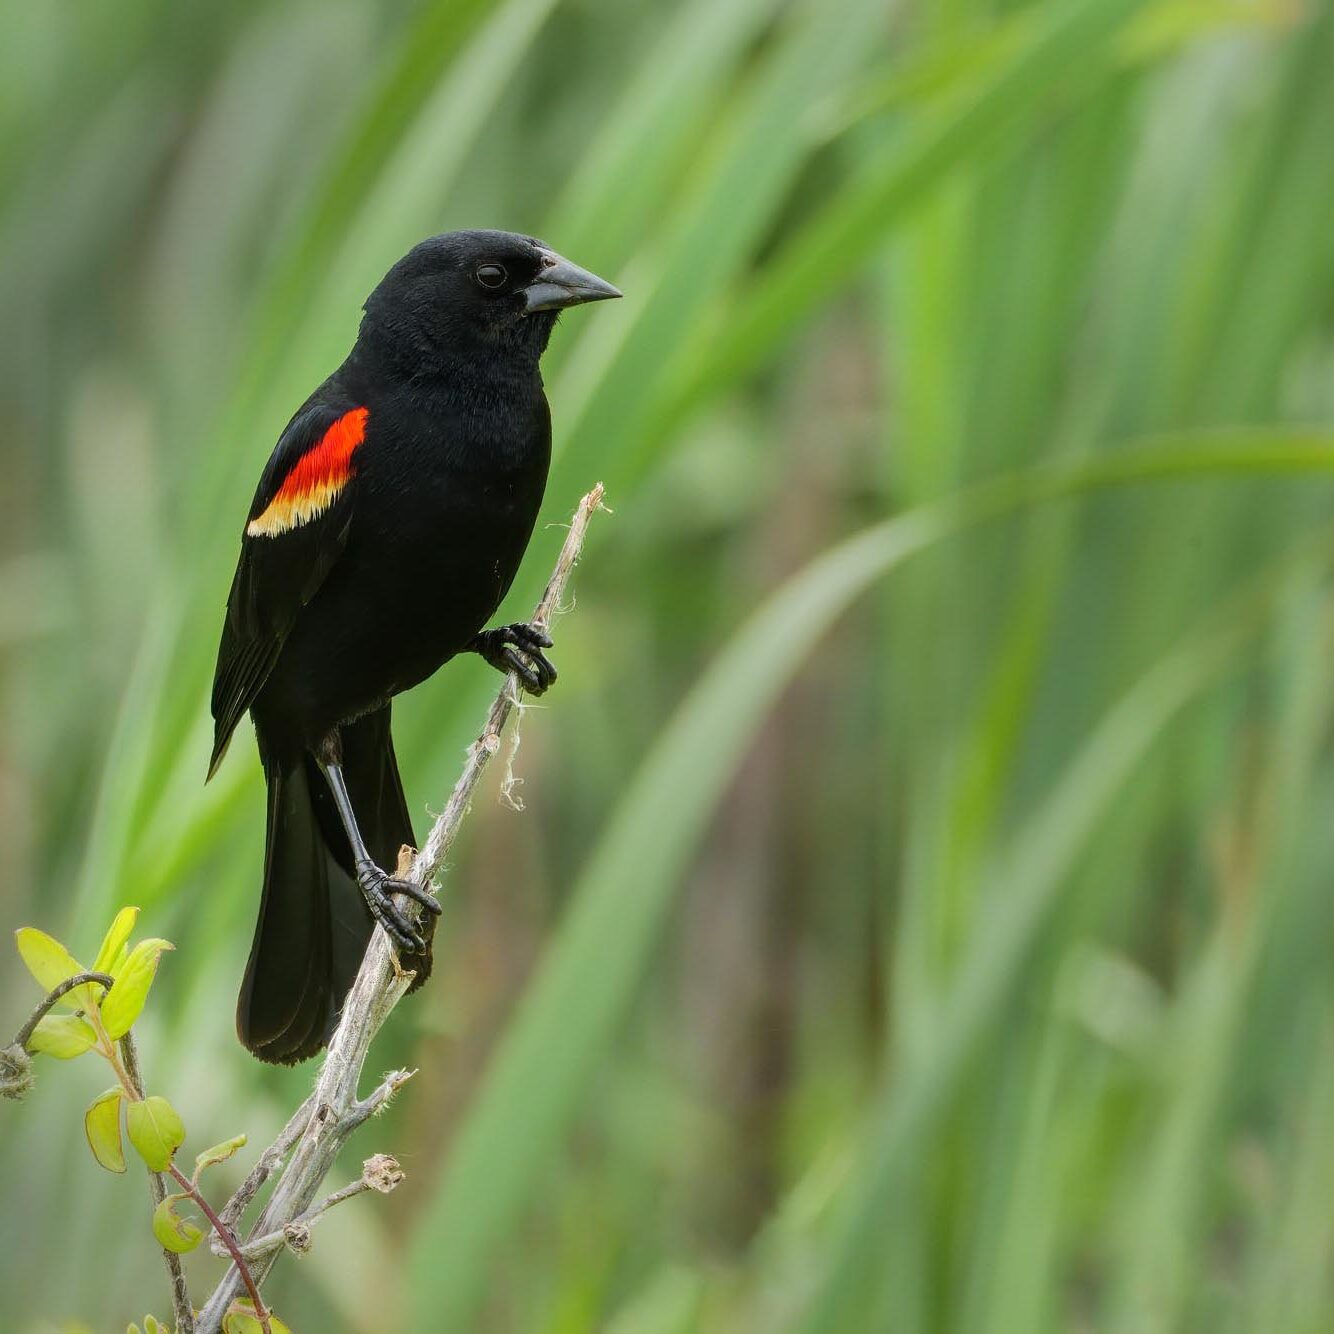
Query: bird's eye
[491, 275]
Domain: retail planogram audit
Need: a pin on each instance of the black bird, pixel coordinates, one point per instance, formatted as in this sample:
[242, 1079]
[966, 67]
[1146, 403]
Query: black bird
[387, 527]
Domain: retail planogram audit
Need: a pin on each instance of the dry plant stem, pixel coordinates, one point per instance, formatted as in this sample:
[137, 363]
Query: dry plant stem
[268, 1163]
[335, 1110]
[275, 1241]
[273, 1156]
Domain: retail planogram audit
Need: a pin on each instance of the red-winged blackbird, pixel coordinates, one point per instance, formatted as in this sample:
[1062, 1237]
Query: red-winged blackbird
[387, 527]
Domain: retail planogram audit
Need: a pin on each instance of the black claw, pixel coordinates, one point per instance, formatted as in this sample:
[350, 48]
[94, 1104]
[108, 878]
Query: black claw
[530, 637]
[406, 941]
[528, 672]
[518, 648]
[415, 892]
[377, 886]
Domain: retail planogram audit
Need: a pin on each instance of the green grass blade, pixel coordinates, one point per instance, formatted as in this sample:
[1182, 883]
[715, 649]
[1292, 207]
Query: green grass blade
[830, 250]
[1023, 896]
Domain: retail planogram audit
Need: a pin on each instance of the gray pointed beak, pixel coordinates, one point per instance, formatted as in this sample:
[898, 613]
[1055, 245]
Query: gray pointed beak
[560, 283]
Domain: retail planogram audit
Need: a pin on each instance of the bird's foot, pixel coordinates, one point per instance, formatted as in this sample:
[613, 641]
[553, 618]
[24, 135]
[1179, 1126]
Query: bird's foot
[378, 887]
[518, 648]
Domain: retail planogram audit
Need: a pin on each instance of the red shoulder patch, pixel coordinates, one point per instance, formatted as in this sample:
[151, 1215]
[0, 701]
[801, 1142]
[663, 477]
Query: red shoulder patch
[316, 480]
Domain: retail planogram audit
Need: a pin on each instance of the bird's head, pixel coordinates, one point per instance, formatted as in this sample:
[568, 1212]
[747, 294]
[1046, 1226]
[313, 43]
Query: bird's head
[476, 290]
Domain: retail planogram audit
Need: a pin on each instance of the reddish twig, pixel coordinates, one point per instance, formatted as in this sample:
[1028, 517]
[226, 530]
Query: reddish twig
[228, 1238]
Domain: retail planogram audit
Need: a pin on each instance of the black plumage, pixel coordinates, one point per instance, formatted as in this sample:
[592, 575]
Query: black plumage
[385, 531]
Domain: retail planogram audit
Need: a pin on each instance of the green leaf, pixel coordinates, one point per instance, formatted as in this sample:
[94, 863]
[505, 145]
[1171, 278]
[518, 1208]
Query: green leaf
[174, 1231]
[51, 964]
[125, 1001]
[241, 1319]
[101, 1124]
[218, 1153]
[46, 958]
[63, 1036]
[114, 941]
[156, 1131]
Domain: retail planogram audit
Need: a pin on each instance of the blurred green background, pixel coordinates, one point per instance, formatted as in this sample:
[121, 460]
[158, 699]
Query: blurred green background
[922, 913]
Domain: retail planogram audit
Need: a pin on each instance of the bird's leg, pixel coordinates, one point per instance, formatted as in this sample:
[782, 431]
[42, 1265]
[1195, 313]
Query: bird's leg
[377, 885]
[518, 648]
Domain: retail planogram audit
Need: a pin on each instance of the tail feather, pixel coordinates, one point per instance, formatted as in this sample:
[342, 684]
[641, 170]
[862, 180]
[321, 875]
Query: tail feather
[313, 924]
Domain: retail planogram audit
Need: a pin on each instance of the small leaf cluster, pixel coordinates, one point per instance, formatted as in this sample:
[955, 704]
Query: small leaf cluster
[66, 1035]
[97, 1017]
[93, 1018]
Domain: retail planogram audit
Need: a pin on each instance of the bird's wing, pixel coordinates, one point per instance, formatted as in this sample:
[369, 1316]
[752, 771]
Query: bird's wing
[295, 531]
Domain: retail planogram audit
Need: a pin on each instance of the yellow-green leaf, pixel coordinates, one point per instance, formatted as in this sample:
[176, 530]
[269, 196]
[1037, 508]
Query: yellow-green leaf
[174, 1231]
[62, 1035]
[101, 1123]
[51, 964]
[114, 940]
[241, 1319]
[124, 1003]
[218, 1153]
[155, 1130]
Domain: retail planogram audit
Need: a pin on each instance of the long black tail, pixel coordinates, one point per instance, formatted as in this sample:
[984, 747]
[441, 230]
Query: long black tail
[313, 923]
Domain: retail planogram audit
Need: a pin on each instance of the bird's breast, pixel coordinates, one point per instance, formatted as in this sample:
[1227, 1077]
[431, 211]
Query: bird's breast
[444, 515]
